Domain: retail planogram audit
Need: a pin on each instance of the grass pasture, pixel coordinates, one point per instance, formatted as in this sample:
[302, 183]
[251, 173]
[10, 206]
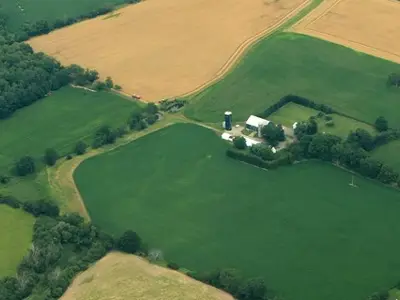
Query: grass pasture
[21, 11]
[292, 112]
[137, 279]
[389, 154]
[16, 235]
[350, 82]
[206, 211]
[59, 121]
[369, 26]
[183, 44]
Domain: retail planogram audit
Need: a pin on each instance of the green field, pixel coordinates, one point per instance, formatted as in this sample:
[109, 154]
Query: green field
[302, 228]
[49, 10]
[389, 154]
[59, 121]
[16, 235]
[348, 81]
[292, 112]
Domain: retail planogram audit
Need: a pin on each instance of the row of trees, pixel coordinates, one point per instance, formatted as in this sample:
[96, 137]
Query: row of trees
[105, 135]
[62, 246]
[352, 153]
[26, 77]
[40, 27]
[232, 282]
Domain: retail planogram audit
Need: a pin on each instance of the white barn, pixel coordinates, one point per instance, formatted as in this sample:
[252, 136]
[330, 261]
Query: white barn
[254, 123]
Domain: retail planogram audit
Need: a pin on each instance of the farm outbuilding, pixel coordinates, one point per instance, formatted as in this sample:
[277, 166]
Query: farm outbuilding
[254, 123]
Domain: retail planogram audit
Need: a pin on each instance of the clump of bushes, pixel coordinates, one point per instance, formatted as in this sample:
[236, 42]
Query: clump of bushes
[173, 266]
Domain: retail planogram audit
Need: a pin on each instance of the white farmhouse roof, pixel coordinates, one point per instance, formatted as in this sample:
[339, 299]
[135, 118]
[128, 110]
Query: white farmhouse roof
[227, 136]
[250, 142]
[256, 121]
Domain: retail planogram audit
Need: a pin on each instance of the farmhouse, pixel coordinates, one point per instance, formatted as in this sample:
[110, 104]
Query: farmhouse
[255, 123]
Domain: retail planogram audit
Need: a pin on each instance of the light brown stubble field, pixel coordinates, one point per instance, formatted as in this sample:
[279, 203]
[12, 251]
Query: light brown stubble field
[123, 276]
[370, 26]
[160, 49]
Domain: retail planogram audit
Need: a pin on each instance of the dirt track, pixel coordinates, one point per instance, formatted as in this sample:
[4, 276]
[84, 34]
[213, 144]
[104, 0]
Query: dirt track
[370, 26]
[160, 49]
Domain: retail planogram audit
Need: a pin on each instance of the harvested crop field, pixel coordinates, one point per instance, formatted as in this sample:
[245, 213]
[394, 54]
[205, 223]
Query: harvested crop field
[160, 49]
[122, 276]
[370, 26]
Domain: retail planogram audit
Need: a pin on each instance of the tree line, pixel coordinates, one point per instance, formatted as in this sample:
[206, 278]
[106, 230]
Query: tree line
[105, 135]
[26, 77]
[352, 153]
[40, 27]
[62, 246]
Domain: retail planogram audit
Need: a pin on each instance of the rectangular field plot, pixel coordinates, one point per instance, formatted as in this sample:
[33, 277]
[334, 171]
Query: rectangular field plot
[292, 112]
[390, 154]
[349, 82]
[302, 228]
[165, 48]
[370, 26]
[59, 121]
[16, 228]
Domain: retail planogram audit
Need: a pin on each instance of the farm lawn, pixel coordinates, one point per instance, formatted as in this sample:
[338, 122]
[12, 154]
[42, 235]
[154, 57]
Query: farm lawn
[350, 82]
[16, 234]
[32, 11]
[59, 121]
[302, 228]
[389, 154]
[292, 112]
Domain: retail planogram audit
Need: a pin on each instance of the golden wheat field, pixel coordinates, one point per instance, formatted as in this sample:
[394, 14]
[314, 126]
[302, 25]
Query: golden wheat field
[160, 49]
[122, 276]
[370, 26]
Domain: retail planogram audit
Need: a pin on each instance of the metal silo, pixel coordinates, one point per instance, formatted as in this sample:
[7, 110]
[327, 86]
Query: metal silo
[228, 120]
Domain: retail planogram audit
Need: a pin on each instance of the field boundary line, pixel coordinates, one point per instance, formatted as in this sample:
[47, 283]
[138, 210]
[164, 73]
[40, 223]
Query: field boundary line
[61, 178]
[244, 48]
[303, 27]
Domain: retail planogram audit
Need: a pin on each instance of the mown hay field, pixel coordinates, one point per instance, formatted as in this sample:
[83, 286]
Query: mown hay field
[60, 121]
[160, 49]
[16, 228]
[302, 228]
[350, 82]
[370, 26]
[122, 276]
[21, 11]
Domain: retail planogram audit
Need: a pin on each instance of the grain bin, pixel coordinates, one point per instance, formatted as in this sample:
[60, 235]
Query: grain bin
[228, 120]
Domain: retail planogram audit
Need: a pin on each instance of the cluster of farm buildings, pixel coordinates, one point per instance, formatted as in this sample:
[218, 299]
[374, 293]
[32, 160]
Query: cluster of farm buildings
[253, 125]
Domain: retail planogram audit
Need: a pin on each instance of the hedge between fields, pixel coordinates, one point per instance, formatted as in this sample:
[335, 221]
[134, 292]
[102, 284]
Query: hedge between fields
[244, 156]
[43, 27]
[307, 103]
